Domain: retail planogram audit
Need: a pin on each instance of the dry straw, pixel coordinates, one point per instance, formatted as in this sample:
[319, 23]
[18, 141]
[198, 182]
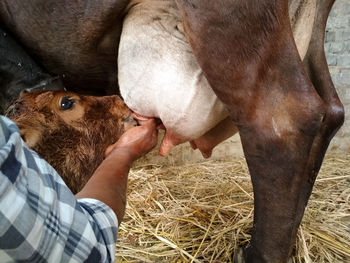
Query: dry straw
[203, 213]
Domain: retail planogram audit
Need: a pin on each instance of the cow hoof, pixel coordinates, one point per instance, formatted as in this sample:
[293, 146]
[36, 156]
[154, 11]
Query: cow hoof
[238, 257]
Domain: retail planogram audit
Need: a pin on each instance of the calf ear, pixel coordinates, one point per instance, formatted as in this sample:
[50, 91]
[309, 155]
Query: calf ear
[31, 136]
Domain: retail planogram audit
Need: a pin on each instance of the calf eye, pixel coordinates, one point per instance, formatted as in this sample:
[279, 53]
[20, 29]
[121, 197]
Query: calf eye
[67, 103]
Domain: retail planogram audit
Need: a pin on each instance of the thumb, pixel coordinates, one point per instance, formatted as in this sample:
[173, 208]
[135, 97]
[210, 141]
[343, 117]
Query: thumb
[108, 150]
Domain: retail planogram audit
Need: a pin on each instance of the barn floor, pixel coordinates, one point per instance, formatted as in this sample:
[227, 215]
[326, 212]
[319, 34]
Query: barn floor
[203, 212]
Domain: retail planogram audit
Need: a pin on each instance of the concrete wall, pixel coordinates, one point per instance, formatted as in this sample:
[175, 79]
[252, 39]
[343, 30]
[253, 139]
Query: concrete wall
[337, 46]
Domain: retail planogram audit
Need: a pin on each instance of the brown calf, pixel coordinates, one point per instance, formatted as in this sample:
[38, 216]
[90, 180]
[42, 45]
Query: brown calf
[70, 131]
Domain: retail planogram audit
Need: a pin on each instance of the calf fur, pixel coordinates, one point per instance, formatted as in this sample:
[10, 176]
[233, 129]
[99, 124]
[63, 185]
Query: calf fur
[71, 132]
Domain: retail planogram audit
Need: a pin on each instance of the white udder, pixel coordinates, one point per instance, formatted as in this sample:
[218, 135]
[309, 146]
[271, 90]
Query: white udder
[158, 74]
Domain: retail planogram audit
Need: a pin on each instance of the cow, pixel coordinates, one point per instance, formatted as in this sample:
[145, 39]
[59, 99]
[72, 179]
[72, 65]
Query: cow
[156, 65]
[71, 131]
[20, 73]
[285, 109]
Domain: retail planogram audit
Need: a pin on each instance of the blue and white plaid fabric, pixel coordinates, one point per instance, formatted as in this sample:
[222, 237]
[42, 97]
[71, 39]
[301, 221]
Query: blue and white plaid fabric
[40, 219]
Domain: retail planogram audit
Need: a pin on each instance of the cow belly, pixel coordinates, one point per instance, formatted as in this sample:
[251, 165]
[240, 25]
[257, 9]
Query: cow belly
[159, 77]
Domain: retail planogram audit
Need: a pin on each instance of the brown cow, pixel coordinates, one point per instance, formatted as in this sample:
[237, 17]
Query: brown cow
[286, 115]
[71, 132]
[19, 72]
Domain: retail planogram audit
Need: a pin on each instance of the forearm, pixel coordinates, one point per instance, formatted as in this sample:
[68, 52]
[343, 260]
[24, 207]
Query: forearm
[54, 214]
[109, 182]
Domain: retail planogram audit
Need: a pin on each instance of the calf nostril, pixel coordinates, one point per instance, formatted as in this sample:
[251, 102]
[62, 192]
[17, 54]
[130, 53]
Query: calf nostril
[129, 122]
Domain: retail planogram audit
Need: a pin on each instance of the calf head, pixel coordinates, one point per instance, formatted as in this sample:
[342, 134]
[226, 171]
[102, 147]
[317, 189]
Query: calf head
[70, 131]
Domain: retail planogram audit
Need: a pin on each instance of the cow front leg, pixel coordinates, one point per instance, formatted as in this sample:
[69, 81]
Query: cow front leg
[247, 52]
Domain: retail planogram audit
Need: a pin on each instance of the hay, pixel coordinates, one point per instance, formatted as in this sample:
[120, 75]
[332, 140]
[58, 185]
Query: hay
[203, 212]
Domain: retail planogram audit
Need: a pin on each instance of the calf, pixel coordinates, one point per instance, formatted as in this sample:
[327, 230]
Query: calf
[70, 131]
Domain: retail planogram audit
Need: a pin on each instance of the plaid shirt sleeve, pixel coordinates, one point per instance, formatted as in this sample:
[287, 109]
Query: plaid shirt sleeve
[40, 218]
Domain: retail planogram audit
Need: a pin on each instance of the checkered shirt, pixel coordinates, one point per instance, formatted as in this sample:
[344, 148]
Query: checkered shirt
[40, 219]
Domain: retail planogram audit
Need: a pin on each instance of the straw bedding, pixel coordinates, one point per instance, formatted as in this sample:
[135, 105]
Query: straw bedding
[203, 212]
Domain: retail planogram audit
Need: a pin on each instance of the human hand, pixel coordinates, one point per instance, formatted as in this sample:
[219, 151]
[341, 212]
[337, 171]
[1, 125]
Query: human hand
[112, 174]
[138, 140]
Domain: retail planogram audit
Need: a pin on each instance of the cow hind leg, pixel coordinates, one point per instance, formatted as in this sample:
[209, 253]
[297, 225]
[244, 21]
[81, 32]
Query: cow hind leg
[316, 66]
[277, 145]
[247, 52]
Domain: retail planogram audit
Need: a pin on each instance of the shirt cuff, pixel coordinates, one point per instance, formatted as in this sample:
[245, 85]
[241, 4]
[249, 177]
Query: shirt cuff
[100, 208]
[102, 215]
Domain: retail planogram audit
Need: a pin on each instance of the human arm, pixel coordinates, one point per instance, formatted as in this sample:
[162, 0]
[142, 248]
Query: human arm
[109, 182]
[40, 219]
